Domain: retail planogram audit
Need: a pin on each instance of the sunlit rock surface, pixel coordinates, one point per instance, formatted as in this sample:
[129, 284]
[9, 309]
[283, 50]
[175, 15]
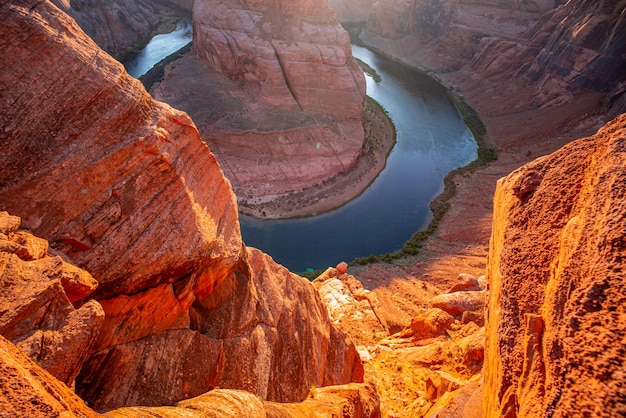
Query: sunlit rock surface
[30, 391]
[36, 295]
[349, 401]
[556, 322]
[124, 187]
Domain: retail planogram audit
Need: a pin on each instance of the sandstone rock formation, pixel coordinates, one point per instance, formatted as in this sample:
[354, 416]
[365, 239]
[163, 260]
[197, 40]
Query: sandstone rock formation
[263, 330]
[118, 25]
[294, 52]
[350, 306]
[559, 48]
[556, 322]
[350, 401]
[417, 371]
[36, 295]
[459, 302]
[124, 187]
[30, 391]
[432, 323]
[275, 92]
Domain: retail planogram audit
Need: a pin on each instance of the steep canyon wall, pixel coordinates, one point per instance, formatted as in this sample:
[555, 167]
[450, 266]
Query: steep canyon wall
[118, 26]
[556, 311]
[124, 187]
[556, 48]
[275, 92]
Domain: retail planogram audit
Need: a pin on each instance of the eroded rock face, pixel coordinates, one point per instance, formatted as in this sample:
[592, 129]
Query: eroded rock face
[352, 11]
[275, 92]
[36, 295]
[350, 306]
[349, 401]
[115, 25]
[134, 169]
[124, 186]
[295, 51]
[30, 391]
[556, 326]
[558, 47]
[263, 330]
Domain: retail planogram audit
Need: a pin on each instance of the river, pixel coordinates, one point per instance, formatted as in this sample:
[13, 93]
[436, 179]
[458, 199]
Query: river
[432, 140]
[159, 47]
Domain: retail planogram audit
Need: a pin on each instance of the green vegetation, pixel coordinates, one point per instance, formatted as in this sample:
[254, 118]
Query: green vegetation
[310, 274]
[369, 70]
[441, 203]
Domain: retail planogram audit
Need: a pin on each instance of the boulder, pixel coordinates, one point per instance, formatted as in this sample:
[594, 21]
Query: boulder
[465, 282]
[430, 324]
[439, 383]
[458, 302]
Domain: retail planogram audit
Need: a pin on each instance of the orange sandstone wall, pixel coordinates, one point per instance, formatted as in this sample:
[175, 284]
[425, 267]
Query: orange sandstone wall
[556, 326]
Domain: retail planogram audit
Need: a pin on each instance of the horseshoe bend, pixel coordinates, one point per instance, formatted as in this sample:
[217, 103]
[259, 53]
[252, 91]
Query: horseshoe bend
[128, 290]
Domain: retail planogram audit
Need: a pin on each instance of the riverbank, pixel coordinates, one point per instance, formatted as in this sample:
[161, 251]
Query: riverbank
[345, 186]
[520, 132]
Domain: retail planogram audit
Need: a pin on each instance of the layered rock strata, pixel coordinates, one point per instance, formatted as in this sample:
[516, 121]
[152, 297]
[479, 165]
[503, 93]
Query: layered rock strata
[37, 292]
[117, 26]
[352, 11]
[275, 92]
[124, 187]
[349, 401]
[558, 48]
[556, 321]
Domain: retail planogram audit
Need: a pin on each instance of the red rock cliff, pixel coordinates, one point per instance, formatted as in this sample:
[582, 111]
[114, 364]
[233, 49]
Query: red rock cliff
[352, 11]
[296, 51]
[275, 92]
[124, 186]
[556, 324]
[557, 48]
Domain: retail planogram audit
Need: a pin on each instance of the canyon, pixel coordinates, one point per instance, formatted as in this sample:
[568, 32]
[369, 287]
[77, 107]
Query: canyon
[275, 93]
[123, 265]
[154, 221]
